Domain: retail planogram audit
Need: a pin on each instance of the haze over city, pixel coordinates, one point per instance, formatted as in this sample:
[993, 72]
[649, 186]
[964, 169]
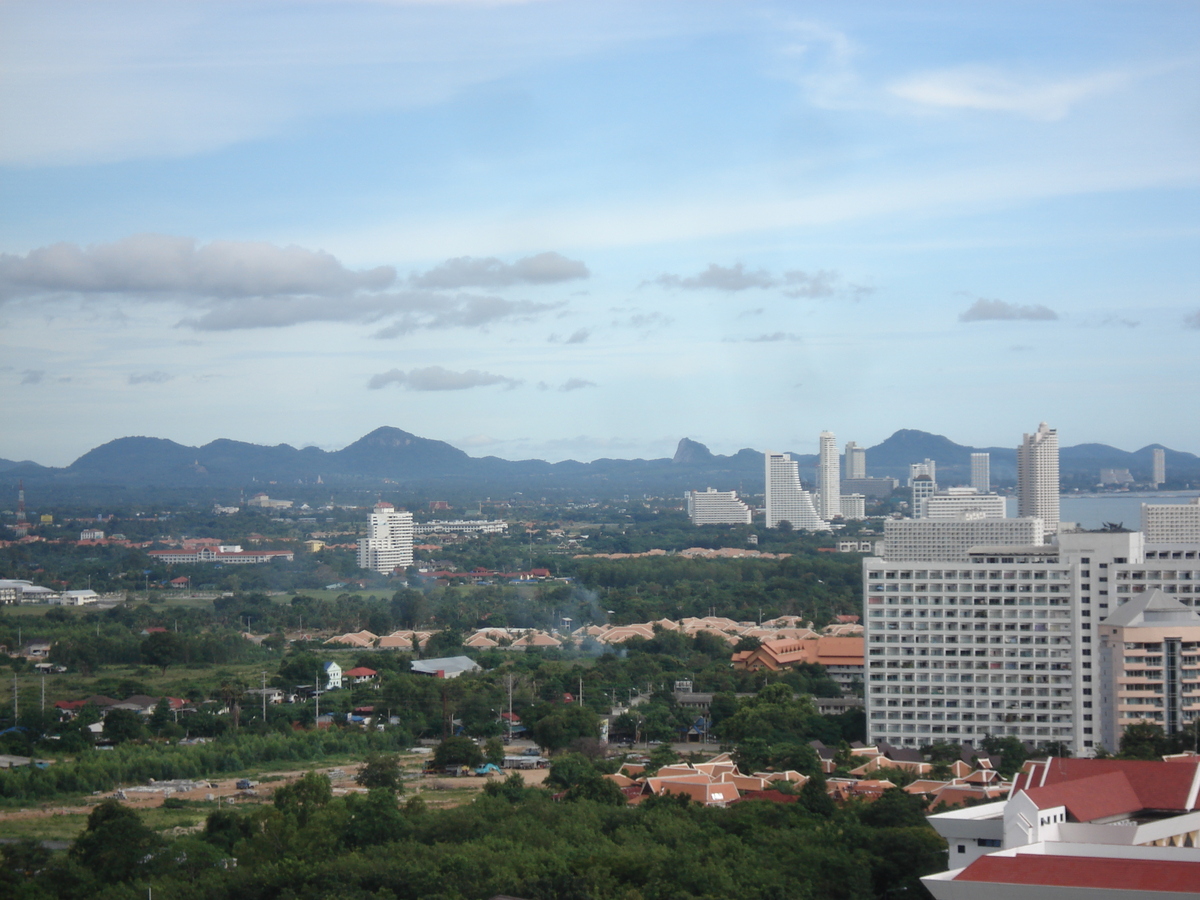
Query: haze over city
[568, 230]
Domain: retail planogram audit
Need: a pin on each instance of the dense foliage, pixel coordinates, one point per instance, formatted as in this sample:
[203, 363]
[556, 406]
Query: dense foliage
[513, 840]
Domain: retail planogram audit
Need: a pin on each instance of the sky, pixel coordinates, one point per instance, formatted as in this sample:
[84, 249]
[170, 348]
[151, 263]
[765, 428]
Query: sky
[589, 229]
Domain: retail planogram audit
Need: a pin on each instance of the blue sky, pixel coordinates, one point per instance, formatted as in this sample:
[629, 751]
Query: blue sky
[571, 230]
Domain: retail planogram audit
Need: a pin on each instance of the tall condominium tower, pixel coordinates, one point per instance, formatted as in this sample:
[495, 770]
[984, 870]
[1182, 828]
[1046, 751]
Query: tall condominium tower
[981, 472]
[389, 541]
[1160, 466]
[1037, 476]
[787, 501]
[856, 461]
[829, 482]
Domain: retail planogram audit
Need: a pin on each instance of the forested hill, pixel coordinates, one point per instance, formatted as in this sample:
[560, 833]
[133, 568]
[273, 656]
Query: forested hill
[390, 454]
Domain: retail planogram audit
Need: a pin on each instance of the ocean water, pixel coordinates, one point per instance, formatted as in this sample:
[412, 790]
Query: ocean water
[1093, 510]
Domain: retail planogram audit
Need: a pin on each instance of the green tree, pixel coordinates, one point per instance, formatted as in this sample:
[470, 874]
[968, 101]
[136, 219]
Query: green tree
[116, 845]
[122, 725]
[162, 649]
[1143, 740]
[381, 771]
[457, 751]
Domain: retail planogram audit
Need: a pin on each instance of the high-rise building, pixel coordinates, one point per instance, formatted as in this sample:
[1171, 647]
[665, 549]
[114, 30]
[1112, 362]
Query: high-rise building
[1160, 466]
[981, 472]
[1037, 476]
[713, 507]
[949, 540]
[389, 542]
[923, 487]
[856, 461]
[829, 487]
[787, 501]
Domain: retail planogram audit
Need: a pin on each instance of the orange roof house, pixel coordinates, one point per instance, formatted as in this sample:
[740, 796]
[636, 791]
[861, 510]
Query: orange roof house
[782, 654]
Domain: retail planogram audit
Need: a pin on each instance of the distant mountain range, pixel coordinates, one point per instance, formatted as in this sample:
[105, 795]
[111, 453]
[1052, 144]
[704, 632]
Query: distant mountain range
[391, 455]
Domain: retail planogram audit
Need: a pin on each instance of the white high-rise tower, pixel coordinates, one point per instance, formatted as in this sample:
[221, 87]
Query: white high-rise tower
[1037, 476]
[829, 484]
[787, 501]
[856, 461]
[389, 541]
[981, 472]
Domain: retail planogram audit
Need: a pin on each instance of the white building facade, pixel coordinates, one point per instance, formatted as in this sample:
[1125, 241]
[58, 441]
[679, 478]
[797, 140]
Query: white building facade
[1165, 523]
[713, 507]
[786, 499]
[389, 542]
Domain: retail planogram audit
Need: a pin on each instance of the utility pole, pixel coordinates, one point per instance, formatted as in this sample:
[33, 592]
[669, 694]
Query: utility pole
[16, 709]
[317, 697]
[264, 696]
[509, 678]
[43, 692]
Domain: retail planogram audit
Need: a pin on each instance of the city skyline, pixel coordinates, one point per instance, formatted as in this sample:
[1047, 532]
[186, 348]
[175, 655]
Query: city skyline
[562, 230]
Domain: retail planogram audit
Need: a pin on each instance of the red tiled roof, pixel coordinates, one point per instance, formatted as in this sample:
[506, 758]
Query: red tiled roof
[1088, 799]
[1086, 872]
[1158, 785]
[360, 672]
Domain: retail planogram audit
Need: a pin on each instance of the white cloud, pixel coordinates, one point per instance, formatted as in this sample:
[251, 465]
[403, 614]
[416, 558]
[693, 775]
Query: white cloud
[989, 89]
[436, 378]
[490, 272]
[774, 338]
[984, 310]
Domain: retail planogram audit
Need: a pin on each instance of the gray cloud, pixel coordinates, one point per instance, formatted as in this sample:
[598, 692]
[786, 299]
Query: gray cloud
[436, 378]
[1192, 321]
[244, 284]
[794, 282]
[490, 272]
[773, 338]
[644, 320]
[575, 384]
[578, 337]
[150, 378]
[162, 265]
[720, 278]
[983, 310]
[1118, 320]
[33, 376]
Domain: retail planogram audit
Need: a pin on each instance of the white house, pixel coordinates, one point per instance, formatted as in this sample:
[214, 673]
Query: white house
[333, 676]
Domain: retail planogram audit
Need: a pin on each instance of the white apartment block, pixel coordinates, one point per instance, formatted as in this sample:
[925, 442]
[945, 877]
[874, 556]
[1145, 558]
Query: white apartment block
[1037, 476]
[855, 461]
[1160, 466]
[461, 526]
[956, 502]
[981, 472]
[950, 540]
[854, 506]
[786, 499]
[1000, 642]
[829, 488]
[713, 507]
[1165, 523]
[389, 542]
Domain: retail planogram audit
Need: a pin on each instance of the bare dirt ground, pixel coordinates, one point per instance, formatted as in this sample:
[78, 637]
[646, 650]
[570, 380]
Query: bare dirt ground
[436, 790]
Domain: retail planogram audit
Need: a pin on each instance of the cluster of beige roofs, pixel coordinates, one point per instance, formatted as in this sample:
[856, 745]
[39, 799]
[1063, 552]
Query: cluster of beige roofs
[782, 628]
